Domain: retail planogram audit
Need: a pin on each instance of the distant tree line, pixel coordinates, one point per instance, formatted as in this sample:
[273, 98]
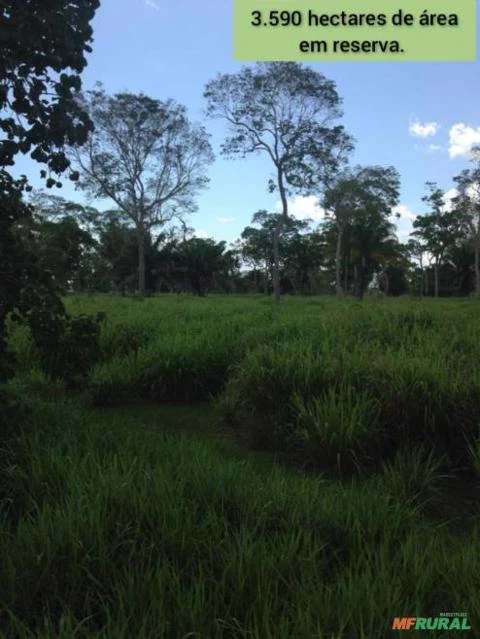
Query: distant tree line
[353, 250]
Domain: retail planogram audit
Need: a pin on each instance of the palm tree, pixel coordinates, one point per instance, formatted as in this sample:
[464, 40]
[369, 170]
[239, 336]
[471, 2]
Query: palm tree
[374, 246]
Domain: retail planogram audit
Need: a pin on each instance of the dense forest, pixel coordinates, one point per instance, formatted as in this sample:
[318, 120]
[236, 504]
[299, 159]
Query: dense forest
[91, 251]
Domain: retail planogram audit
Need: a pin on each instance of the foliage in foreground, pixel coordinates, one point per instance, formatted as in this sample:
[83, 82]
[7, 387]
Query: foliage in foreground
[111, 531]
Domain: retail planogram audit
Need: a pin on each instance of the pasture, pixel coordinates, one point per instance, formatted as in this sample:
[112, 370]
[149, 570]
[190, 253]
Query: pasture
[234, 469]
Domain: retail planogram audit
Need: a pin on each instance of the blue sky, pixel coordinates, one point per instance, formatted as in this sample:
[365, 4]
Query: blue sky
[419, 117]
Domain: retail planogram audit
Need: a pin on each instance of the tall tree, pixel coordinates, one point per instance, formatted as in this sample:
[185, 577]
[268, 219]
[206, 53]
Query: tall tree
[351, 199]
[416, 249]
[340, 200]
[461, 257]
[468, 204]
[374, 245]
[147, 157]
[439, 229]
[286, 111]
[301, 250]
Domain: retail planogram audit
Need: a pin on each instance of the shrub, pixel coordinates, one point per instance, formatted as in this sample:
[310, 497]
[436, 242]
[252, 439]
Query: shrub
[69, 347]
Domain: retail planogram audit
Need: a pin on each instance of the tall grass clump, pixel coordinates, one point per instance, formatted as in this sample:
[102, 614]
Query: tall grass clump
[473, 449]
[121, 533]
[413, 366]
[427, 399]
[339, 427]
[416, 358]
[413, 476]
[184, 366]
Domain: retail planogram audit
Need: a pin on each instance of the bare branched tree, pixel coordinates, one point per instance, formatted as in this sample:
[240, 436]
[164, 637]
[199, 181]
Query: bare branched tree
[147, 157]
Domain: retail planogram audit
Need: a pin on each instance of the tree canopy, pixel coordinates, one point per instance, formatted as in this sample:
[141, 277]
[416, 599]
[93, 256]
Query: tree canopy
[288, 112]
[43, 47]
[146, 156]
[360, 201]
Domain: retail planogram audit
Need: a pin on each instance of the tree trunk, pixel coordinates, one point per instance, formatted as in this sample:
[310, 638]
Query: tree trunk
[477, 265]
[141, 260]
[360, 278]
[387, 282]
[233, 286]
[276, 236]
[421, 276]
[276, 259]
[435, 268]
[345, 277]
[293, 283]
[338, 263]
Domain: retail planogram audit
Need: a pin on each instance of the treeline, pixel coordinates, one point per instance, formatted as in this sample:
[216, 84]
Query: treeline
[86, 250]
[151, 161]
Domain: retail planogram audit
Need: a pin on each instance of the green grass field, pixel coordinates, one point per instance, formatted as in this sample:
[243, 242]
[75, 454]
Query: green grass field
[236, 470]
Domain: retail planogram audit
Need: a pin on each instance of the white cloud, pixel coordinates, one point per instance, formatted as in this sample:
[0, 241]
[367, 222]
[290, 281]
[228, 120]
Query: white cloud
[304, 207]
[462, 138]
[448, 200]
[403, 235]
[225, 220]
[474, 191]
[405, 213]
[404, 223]
[419, 130]
[448, 197]
[428, 148]
[152, 5]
